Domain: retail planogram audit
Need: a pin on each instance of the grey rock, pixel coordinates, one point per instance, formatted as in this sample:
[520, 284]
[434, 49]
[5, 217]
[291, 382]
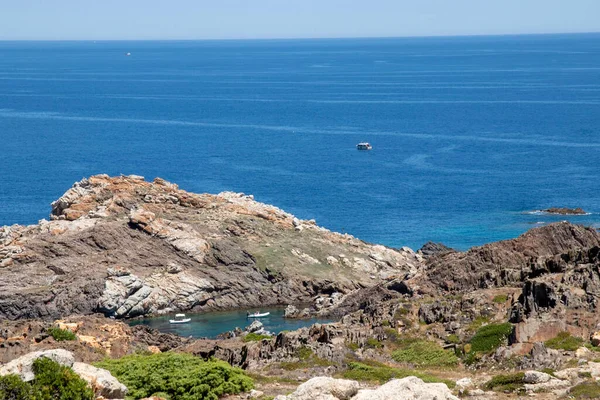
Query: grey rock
[101, 380]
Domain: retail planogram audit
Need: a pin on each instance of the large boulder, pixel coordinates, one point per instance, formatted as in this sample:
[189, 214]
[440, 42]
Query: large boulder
[103, 383]
[324, 388]
[409, 388]
[23, 366]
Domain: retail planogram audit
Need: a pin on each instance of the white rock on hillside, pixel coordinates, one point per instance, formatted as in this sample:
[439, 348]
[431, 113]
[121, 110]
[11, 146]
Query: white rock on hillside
[103, 383]
[324, 388]
[409, 388]
[23, 366]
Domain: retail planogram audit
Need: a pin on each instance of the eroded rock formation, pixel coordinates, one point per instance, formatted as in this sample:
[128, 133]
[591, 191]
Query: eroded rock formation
[126, 247]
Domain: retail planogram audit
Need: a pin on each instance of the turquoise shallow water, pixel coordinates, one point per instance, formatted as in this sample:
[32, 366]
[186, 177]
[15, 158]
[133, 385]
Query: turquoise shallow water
[211, 324]
[467, 133]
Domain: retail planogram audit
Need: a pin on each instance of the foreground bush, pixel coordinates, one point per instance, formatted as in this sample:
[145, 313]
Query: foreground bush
[423, 353]
[490, 337]
[52, 382]
[179, 376]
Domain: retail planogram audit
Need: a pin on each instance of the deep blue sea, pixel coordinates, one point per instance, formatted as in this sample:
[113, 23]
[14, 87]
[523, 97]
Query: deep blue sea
[468, 133]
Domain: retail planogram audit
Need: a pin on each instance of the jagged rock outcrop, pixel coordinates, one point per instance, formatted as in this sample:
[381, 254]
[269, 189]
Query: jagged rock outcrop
[552, 248]
[126, 247]
[432, 249]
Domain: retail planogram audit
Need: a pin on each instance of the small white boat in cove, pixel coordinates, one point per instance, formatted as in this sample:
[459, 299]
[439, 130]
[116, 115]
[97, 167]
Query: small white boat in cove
[257, 314]
[179, 319]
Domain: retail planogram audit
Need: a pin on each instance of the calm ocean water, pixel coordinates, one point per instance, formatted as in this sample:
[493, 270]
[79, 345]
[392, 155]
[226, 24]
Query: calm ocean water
[468, 133]
[213, 323]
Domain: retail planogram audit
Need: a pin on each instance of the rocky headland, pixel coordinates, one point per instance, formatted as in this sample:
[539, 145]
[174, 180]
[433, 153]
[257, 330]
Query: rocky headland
[125, 247]
[516, 317]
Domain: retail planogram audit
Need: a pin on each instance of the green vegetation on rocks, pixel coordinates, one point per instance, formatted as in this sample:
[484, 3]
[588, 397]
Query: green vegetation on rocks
[500, 299]
[506, 383]
[307, 359]
[255, 337]
[179, 376]
[52, 381]
[490, 337]
[564, 341]
[61, 334]
[423, 353]
[377, 372]
[585, 390]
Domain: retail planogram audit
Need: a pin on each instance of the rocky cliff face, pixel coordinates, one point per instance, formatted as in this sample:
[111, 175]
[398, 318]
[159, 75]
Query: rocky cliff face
[125, 247]
[539, 251]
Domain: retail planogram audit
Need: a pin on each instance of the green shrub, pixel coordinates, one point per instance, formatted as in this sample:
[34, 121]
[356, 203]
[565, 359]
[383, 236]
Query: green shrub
[548, 371]
[13, 388]
[490, 337]
[564, 341]
[391, 333]
[54, 381]
[352, 346]
[377, 372]
[180, 376]
[506, 383]
[255, 337]
[585, 390]
[373, 343]
[452, 338]
[500, 299]
[423, 353]
[385, 323]
[61, 334]
[304, 353]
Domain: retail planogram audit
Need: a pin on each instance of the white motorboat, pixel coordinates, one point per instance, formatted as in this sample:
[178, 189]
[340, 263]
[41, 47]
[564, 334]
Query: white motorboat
[179, 319]
[257, 314]
[364, 146]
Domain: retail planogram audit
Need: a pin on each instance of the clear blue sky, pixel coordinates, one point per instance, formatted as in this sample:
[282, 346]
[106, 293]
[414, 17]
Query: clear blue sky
[225, 19]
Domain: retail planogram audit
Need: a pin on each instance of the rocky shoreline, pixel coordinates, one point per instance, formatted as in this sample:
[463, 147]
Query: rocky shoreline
[516, 317]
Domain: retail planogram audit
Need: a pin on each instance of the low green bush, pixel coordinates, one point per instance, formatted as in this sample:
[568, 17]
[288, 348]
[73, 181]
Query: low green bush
[507, 383]
[13, 388]
[585, 390]
[490, 337]
[352, 346]
[255, 337]
[61, 334]
[500, 299]
[423, 353]
[453, 339]
[373, 343]
[564, 341]
[180, 376]
[377, 372]
[52, 381]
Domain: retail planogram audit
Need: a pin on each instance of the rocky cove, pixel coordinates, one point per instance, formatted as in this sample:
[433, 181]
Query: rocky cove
[505, 319]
